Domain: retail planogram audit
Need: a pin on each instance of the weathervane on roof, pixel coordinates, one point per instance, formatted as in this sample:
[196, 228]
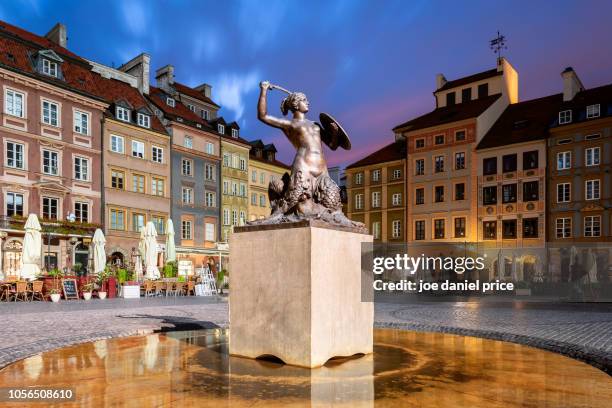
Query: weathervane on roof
[498, 44]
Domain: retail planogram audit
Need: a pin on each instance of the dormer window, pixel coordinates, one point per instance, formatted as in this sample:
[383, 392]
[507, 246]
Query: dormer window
[191, 107]
[144, 120]
[235, 133]
[221, 129]
[49, 68]
[592, 111]
[565, 117]
[170, 102]
[205, 114]
[123, 114]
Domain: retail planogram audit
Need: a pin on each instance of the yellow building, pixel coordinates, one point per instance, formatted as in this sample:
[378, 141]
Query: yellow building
[263, 168]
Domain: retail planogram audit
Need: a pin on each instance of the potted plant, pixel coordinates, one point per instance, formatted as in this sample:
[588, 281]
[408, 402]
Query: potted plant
[102, 277]
[129, 289]
[55, 295]
[522, 288]
[55, 292]
[87, 291]
[221, 280]
[170, 270]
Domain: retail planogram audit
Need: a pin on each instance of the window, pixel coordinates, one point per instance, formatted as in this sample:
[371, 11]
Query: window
[489, 166]
[117, 145]
[157, 187]
[376, 229]
[188, 142]
[186, 230]
[509, 229]
[489, 195]
[591, 156]
[226, 159]
[531, 191]
[466, 94]
[459, 191]
[530, 227]
[564, 160]
[210, 148]
[187, 195]
[530, 160]
[170, 101]
[397, 174]
[564, 227]
[226, 216]
[187, 167]
[117, 179]
[122, 113]
[489, 229]
[81, 122]
[592, 137]
[563, 192]
[243, 190]
[509, 163]
[234, 188]
[226, 187]
[235, 133]
[483, 90]
[138, 222]
[157, 154]
[592, 111]
[81, 211]
[419, 143]
[439, 194]
[262, 200]
[592, 190]
[234, 217]
[459, 161]
[14, 155]
[419, 230]
[460, 227]
[358, 178]
[138, 183]
[254, 176]
[592, 226]
[117, 219]
[191, 107]
[13, 103]
[49, 68]
[419, 196]
[50, 162]
[460, 136]
[376, 175]
[359, 201]
[209, 232]
[439, 164]
[144, 120]
[138, 149]
[221, 129]
[209, 172]
[439, 229]
[243, 164]
[253, 198]
[50, 113]
[81, 168]
[376, 199]
[205, 114]
[439, 140]
[396, 228]
[450, 99]
[50, 208]
[509, 193]
[210, 199]
[565, 117]
[419, 167]
[159, 222]
[564, 141]
[14, 204]
[396, 199]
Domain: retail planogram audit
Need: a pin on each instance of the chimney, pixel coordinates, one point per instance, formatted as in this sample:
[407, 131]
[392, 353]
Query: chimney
[571, 84]
[205, 89]
[165, 77]
[58, 35]
[440, 81]
[139, 67]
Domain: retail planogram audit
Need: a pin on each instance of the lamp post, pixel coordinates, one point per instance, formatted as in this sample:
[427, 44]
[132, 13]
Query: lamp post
[3, 235]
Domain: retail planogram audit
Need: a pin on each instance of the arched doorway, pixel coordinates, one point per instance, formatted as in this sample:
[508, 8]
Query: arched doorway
[12, 257]
[117, 259]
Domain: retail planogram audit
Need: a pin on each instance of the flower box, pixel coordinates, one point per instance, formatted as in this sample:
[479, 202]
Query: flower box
[130, 291]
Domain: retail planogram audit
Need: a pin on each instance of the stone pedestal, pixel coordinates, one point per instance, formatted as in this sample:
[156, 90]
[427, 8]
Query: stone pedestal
[295, 293]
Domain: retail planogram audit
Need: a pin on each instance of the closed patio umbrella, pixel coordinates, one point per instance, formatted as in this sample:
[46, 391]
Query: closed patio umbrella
[31, 253]
[151, 251]
[170, 247]
[142, 244]
[99, 252]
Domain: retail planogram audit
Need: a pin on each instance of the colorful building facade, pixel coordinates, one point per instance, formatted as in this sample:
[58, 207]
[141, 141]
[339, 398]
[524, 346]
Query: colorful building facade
[263, 168]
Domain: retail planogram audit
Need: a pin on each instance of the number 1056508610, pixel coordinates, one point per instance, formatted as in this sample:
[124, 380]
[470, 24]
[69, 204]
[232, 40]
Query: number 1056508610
[36, 394]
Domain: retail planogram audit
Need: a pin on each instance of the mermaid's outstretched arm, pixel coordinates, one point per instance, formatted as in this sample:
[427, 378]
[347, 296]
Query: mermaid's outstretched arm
[262, 110]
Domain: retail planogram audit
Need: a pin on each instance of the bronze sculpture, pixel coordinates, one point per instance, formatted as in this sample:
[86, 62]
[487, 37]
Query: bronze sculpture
[308, 193]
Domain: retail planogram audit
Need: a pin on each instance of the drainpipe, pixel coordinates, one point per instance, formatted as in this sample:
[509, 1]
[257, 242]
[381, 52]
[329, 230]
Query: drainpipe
[102, 184]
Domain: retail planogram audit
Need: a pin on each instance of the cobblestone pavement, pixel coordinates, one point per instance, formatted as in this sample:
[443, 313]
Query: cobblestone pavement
[582, 331]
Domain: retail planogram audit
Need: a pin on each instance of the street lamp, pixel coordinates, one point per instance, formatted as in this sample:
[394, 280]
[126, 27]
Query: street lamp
[3, 235]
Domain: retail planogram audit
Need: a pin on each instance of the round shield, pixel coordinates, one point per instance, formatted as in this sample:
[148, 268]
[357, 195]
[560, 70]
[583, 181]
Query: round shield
[334, 133]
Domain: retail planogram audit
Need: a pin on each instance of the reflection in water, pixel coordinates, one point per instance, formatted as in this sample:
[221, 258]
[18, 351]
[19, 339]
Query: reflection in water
[407, 369]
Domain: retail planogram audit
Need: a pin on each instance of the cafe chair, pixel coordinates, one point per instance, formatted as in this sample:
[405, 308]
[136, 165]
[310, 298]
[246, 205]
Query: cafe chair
[20, 292]
[37, 291]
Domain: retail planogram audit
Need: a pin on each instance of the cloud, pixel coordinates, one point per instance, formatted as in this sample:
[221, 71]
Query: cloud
[230, 90]
[135, 15]
[207, 44]
[259, 23]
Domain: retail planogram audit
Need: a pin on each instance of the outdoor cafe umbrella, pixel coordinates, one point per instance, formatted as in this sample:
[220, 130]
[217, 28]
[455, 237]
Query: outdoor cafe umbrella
[99, 253]
[142, 244]
[170, 247]
[31, 255]
[151, 251]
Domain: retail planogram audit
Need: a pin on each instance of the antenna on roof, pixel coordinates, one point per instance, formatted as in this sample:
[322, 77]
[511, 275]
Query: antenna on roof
[498, 44]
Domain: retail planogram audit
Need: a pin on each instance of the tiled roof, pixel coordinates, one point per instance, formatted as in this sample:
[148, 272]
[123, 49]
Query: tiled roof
[158, 97]
[601, 95]
[449, 114]
[184, 89]
[391, 152]
[523, 122]
[469, 79]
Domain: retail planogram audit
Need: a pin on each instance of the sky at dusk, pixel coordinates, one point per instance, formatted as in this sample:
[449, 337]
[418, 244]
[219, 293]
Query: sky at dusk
[372, 65]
